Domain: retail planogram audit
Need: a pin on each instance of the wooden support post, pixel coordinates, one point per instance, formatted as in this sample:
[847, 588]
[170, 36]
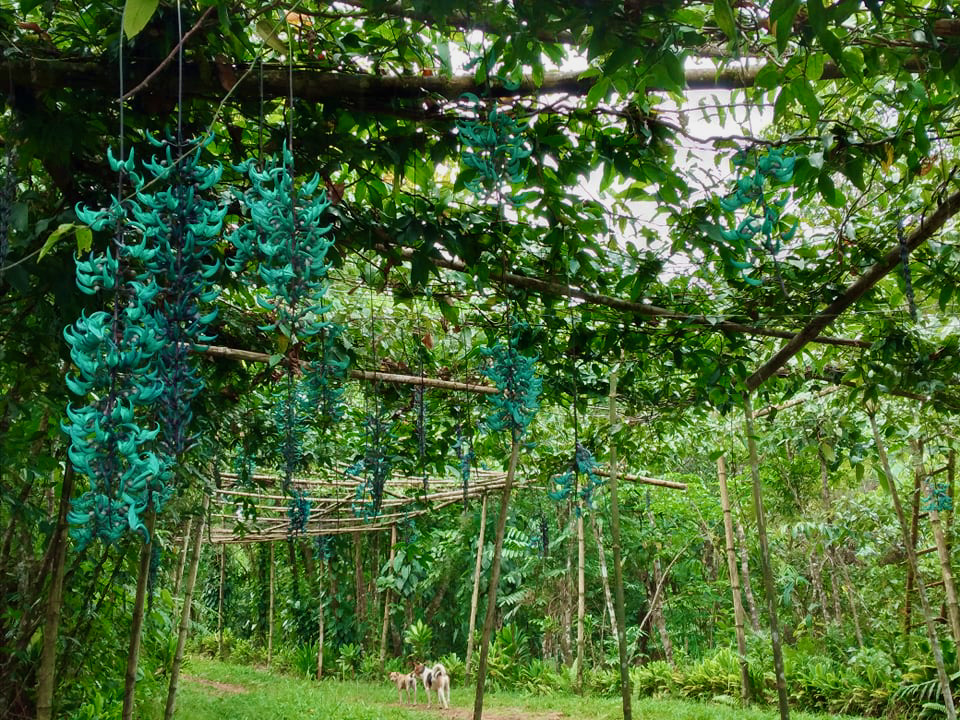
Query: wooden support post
[905, 531]
[270, 615]
[475, 597]
[321, 625]
[386, 603]
[136, 623]
[625, 685]
[494, 580]
[581, 596]
[46, 672]
[770, 590]
[185, 612]
[738, 613]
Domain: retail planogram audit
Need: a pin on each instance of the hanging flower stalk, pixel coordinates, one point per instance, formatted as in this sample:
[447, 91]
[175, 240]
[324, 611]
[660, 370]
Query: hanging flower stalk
[563, 486]
[115, 354]
[288, 243]
[183, 223]
[375, 467]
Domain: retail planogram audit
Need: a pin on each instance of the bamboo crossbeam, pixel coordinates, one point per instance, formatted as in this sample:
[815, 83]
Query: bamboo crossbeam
[366, 375]
[645, 480]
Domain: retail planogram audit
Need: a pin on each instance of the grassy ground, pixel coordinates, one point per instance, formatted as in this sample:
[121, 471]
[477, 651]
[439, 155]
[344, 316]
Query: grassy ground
[212, 690]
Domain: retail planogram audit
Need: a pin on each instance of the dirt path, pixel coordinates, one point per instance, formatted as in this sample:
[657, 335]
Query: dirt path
[492, 713]
[222, 687]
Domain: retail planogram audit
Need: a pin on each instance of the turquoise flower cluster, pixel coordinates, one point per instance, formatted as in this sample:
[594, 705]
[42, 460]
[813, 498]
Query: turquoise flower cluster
[517, 402]
[131, 359]
[764, 216]
[495, 147]
[584, 464]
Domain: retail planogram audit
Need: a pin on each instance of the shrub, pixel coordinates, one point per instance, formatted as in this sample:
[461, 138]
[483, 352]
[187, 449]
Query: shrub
[654, 679]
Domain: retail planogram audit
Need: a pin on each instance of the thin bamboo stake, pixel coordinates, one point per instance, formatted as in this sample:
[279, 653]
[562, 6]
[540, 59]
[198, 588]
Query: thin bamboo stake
[270, 611]
[223, 569]
[625, 689]
[738, 614]
[770, 590]
[475, 597]
[745, 578]
[321, 577]
[494, 580]
[182, 560]
[46, 671]
[912, 560]
[581, 596]
[185, 613]
[386, 603]
[136, 623]
[946, 572]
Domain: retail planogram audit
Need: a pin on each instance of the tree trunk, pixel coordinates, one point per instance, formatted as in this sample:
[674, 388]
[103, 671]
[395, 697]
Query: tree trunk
[604, 576]
[182, 560]
[475, 597]
[625, 685]
[769, 588]
[745, 579]
[46, 672]
[185, 612]
[270, 612]
[581, 596]
[852, 599]
[494, 580]
[912, 560]
[136, 623]
[223, 571]
[946, 572]
[386, 604]
[738, 614]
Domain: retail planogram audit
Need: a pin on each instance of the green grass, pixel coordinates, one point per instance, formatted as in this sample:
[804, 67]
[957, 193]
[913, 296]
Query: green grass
[279, 697]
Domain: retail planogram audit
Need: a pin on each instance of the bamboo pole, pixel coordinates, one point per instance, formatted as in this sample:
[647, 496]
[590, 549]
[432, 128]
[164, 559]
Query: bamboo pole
[185, 612]
[321, 626]
[581, 596]
[946, 572]
[783, 702]
[270, 613]
[475, 597]
[738, 613]
[136, 623]
[223, 569]
[494, 580]
[625, 689]
[912, 560]
[753, 613]
[182, 560]
[46, 671]
[386, 604]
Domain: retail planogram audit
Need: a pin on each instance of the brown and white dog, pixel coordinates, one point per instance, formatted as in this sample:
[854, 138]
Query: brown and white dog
[405, 682]
[437, 679]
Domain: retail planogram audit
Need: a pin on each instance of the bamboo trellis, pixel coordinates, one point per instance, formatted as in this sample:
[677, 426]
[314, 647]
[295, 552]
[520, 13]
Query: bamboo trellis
[258, 512]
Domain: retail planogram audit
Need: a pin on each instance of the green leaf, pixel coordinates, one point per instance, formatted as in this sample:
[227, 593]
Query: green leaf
[136, 15]
[723, 14]
[782, 13]
[266, 30]
[804, 92]
[56, 235]
[84, 239]
[946, 292]
[814, 66]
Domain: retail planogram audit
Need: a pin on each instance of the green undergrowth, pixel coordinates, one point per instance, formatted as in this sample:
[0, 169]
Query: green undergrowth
[212, 690]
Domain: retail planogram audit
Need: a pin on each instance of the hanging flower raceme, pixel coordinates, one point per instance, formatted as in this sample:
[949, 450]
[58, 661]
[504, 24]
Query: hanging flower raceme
[287, 242]
[115, 355]
[516, 403]
[763, 218]
[374, 467]
[463, 447]
[495, 149]
[182, 224]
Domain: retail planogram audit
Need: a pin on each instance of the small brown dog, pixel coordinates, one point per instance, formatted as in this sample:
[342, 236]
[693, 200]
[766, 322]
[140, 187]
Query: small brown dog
[404, 682]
